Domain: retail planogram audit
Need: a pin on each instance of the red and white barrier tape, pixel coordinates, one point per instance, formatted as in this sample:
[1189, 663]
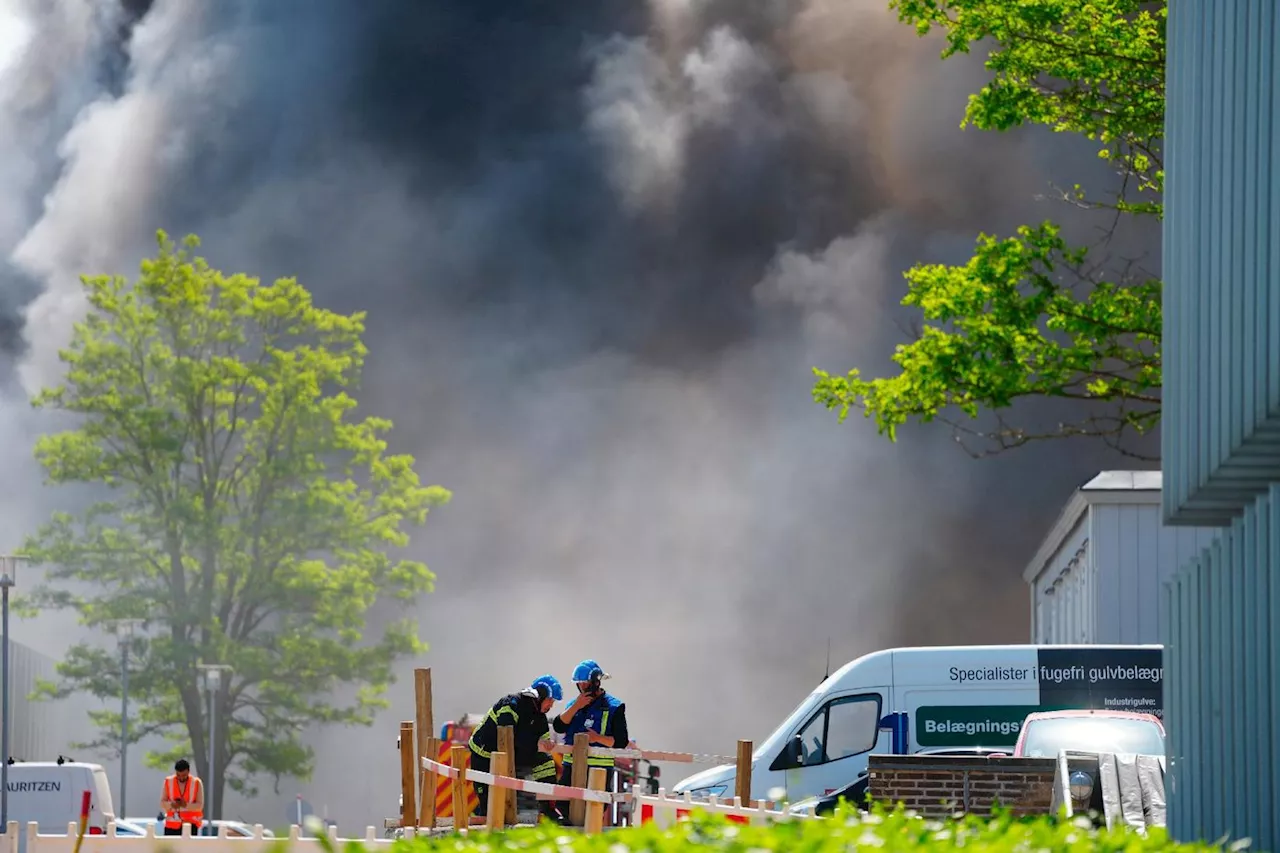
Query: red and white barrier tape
[559, 792]
[439, 769]
[665, 810]
[648, 754]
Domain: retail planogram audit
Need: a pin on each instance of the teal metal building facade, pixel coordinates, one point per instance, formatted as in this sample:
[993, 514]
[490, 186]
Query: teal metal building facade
[1221, 426]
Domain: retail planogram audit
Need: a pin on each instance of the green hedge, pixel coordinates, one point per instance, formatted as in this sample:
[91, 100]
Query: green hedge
[846, 830]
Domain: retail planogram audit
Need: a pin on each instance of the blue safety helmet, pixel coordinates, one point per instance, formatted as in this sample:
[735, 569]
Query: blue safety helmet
[588, 670]
[549, 685]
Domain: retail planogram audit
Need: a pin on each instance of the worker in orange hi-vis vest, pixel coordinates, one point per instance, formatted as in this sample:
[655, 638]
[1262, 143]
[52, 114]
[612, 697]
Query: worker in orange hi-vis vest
[182, 800]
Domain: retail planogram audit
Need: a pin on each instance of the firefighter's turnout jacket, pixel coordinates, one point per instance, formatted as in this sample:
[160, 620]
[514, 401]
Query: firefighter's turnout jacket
[522, 711]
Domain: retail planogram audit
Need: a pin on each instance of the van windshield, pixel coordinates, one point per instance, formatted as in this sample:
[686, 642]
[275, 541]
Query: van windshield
[806, 705]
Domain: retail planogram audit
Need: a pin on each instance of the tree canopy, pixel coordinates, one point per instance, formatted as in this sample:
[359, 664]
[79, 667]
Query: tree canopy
[245, 513]
[1029, 315]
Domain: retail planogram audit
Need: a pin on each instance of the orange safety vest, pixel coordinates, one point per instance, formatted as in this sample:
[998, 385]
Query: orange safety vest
[174, 791]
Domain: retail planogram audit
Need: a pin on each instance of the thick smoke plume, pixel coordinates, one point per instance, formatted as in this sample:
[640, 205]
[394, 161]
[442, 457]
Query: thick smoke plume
[601, 244]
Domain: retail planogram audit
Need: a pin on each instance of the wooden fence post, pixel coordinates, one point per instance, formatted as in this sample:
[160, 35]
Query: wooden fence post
[408, 777]
[430, 784]
[595, 811]
[461, 808]
[424, 722]
[578, 778]
[743, 781]
[507, 744]
[497, 811]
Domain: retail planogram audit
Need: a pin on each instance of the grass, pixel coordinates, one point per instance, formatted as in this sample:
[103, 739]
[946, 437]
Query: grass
[894, 830]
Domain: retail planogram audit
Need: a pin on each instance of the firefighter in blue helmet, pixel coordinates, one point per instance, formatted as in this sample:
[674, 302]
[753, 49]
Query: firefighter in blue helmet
[526, 711]
[601, 716]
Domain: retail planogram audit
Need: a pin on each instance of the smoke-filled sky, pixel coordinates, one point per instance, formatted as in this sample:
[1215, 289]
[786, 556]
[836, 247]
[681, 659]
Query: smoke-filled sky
[601, 244]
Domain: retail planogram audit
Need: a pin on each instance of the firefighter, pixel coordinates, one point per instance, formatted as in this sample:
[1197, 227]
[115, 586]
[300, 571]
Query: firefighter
[602, 716]
[526, 711]
[182, 799]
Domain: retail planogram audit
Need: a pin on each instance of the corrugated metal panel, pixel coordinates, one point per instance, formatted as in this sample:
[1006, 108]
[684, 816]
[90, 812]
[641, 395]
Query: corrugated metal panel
[1133, 554]
[1222, 226]
[1222, 416]
[1102, 584]
[1222, 684]
[1125, 487]
[1068, 602]
[1079, 596]
[38, 732]
[1064, 610]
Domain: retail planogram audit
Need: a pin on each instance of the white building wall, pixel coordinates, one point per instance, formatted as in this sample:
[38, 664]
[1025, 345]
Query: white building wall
[1135, 554]
[1099, 575]
[1064, 608]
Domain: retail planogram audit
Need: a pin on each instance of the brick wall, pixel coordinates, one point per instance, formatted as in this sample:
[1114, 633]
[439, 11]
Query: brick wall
[937, 786]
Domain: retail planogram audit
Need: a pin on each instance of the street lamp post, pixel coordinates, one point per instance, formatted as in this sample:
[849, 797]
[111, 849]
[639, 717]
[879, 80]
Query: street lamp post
[124, 629]
[8, 579]
[212, 673]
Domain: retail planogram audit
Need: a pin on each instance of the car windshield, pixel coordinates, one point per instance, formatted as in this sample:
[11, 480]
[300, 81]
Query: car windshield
[1045, 738]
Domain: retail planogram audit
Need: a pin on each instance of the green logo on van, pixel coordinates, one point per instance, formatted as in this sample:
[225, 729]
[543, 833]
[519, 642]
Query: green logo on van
[970, 725]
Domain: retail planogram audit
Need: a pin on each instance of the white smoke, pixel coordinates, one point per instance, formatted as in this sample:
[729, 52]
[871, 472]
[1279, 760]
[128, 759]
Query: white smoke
[15, 32]
[840, 289]
[643, 110]
[117, 156]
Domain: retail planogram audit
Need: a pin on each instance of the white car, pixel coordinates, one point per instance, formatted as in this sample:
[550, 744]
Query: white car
[127, 827]
[235, 828]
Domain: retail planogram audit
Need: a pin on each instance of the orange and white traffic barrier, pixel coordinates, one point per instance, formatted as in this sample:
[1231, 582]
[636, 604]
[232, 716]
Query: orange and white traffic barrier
[664, 811]
[444, 789]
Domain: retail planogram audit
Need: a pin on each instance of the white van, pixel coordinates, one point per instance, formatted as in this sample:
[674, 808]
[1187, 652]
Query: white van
[899, 701]
[49, 794]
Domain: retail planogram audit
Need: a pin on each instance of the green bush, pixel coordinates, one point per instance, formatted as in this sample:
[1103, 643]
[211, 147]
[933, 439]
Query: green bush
[886, 830]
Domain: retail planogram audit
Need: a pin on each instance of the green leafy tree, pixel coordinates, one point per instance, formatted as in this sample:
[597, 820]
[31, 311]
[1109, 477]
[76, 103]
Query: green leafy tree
[245, 513]
[1030, 316]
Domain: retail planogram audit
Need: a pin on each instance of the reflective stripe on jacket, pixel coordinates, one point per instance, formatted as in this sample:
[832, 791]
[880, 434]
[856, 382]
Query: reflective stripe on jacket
[594, 717]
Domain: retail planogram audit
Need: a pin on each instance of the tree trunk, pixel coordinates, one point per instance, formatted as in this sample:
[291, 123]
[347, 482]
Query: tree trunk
[194, 711]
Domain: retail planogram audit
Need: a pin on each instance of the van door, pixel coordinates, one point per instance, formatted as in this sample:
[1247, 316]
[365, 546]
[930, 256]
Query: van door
[102, 807]
[829, 749]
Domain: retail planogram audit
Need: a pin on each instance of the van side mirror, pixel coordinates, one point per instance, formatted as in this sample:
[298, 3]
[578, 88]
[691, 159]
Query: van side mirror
[791, 756]
[795, 751]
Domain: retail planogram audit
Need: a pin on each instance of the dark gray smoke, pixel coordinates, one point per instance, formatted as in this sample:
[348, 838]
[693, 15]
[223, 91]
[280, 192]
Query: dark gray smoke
[601, 245]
